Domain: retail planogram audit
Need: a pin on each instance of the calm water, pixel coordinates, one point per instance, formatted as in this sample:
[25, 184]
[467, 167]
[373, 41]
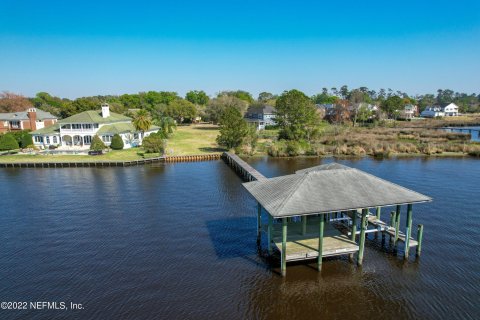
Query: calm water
[177, 241]
[475, 133]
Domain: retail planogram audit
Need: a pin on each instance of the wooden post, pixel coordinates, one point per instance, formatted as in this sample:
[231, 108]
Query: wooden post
[379, 211]
[284, 247]
[304, 225]
[392, 223]
[419, 239]
[397, 224]
[362, 237]
[259, 222]
[269, 233]
[320, 245]
[353, 236]
[408, 230]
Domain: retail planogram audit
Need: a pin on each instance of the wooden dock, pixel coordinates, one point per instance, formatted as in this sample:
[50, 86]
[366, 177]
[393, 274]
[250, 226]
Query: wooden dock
[246, 171]
[304, 246]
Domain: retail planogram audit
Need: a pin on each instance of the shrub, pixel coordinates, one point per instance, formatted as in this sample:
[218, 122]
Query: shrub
[154, 143]
[8, 142]
[117, 142]
[26, 140]
[97, 144]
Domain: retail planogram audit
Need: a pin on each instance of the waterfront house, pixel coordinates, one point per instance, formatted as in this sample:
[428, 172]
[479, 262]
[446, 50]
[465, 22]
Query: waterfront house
[77, 131]
[261, 116]
[446, 110]
[409, 111]
[31, 119]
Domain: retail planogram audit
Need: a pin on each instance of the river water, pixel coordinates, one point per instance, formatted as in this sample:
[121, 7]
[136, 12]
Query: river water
[178, 241]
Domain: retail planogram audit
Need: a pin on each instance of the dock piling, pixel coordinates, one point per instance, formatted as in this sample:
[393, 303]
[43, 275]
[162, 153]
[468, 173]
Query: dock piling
[419, 239]
[362, 237]
[408, 230]
[284, 247]
[320, 244]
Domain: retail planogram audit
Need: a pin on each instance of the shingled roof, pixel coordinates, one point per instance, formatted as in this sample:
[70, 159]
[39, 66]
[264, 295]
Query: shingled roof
[328, 188]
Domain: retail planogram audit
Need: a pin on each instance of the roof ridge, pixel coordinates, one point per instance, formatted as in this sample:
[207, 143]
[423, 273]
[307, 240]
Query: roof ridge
[289, 196]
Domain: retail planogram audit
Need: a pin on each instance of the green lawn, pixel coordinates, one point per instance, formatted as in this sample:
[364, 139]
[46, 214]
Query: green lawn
[194, 139]
[186, 140]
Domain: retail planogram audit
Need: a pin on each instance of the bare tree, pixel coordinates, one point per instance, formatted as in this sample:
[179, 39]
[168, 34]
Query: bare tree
[11, 102]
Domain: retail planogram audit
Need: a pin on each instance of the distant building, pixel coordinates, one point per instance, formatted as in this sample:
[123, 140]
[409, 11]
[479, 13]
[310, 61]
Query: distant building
[261, 116]
[447, 110]
[409, 111]
[77, 131]
[31, 119]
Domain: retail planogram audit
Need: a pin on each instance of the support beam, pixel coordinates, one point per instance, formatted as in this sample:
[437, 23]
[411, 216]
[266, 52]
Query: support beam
[354, 229]
[419, 239]
[392, 223]
[269, 233]
[304, 225]
[320, 245]
[363, 227]
[379, 212]
[259, 222]
[284, 247]
[397, 224]
[408, 230]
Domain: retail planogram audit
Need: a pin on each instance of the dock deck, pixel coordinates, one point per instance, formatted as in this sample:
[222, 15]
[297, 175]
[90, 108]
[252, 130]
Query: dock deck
[305, 246]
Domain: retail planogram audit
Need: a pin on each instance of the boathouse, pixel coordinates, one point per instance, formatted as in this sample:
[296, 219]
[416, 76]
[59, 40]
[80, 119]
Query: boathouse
[319, 212]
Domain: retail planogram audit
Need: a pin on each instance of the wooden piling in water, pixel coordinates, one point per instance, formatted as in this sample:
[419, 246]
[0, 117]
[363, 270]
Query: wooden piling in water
[408, 229]
[320, 244]
[362, 237]
[269, 233]
[284, 247]
[304, 225]
[419, 239]
[397, 225]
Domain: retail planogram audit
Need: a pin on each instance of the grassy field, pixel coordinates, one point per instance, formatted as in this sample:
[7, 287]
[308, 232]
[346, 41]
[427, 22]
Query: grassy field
[187, 140]
[194, 139]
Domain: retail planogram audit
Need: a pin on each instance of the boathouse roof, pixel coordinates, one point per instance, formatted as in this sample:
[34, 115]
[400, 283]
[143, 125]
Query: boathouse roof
[328, 188]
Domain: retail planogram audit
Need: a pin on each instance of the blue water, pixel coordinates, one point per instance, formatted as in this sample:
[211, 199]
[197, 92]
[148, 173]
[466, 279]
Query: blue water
[178, 241]
[473, 131]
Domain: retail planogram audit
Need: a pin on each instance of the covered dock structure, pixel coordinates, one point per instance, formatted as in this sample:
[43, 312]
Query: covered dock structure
[326, 211]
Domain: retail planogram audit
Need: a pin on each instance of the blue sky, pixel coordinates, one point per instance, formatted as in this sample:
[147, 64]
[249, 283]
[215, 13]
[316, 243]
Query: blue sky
[79, 48]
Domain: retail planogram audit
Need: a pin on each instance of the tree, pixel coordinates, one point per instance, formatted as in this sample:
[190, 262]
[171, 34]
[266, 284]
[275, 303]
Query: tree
[363, 113]
[344, 91]
[265, 96]
[296, 115]
[117, 142]
[218, 105]
[142, 121]
[8, 142]
[240, 94]
[166, 124]
[180, 110]
[11, 102]
[97, 144]
[233, 128]
[392, 104]
[154, 143]
[26, 140]
[197, 97]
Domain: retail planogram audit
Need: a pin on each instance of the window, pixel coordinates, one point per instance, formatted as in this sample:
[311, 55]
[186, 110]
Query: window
[55, 139]
[15, 124]
[38, 139]
[87, 126]
[107, 138]
[95, 125]
[87, 139]
[135, 136]
[47, 139]
[66, 126]
[76, 126]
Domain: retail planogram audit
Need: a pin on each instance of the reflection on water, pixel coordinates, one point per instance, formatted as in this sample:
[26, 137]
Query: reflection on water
[178, 241]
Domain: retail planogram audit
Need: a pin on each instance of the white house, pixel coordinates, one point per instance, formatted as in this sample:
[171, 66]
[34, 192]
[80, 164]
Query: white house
[448, 110]
[409, 111]
[261, 116]
[77, 131]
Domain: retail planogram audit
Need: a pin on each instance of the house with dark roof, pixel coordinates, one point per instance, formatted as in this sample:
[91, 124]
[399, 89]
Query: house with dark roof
[260, 116]
[31, 119]
[77, 131]
[445, 110]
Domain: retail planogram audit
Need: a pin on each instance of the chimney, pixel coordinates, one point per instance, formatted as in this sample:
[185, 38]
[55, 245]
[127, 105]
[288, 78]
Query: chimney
[32, 116]
[105, 110]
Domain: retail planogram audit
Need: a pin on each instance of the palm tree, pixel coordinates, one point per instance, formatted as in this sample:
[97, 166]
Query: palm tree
[142, 121]
[167, 124]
